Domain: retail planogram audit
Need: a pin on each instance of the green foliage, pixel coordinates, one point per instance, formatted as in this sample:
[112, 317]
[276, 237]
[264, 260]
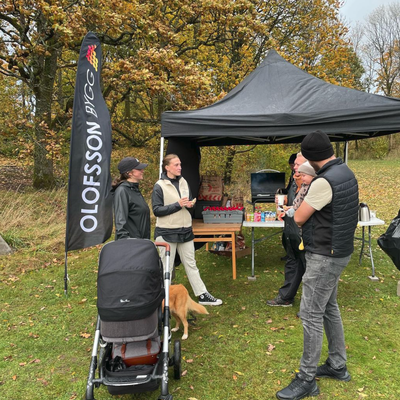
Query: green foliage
[376, 148]
[248, 159]
[13, 239]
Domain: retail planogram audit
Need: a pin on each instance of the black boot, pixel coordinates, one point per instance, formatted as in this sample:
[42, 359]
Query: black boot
[326, 371]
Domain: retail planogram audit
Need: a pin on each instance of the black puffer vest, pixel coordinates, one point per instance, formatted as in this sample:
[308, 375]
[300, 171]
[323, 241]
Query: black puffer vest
[330, 231]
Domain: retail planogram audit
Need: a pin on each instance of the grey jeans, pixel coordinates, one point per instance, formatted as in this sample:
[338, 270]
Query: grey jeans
[319, 310]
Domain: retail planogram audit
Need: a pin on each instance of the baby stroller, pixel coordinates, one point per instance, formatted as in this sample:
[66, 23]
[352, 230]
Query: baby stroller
[132, 332]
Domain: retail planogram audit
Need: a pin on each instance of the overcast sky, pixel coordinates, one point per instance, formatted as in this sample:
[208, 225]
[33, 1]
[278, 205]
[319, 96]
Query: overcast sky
[358, 10]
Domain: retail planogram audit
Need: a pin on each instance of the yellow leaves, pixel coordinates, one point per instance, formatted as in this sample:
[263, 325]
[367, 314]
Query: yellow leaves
[236, 375]
[33, 336]
[85, 335]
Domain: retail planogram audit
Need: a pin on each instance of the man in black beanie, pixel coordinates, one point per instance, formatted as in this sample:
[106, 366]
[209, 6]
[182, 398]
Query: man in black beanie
[328, 217]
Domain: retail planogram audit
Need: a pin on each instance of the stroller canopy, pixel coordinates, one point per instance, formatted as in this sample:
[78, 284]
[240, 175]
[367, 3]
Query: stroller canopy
[129, 281]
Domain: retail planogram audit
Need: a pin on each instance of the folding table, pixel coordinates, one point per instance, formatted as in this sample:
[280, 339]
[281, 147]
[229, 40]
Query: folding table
[372, 222]
[266, 224]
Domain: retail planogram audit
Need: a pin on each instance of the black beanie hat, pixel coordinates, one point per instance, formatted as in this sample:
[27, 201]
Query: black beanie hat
[316, 146]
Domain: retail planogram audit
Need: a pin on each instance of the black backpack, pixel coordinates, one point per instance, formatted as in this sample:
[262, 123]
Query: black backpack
[389, 242]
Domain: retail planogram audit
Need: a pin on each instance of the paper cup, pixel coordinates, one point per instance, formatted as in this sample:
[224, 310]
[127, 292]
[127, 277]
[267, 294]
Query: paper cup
[281, 199]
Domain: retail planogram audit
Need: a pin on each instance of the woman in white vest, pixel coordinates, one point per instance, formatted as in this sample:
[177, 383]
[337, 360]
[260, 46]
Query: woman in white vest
[171, 198]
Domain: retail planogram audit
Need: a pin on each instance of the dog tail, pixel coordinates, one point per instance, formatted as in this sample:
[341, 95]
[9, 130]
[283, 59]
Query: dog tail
[196, 307]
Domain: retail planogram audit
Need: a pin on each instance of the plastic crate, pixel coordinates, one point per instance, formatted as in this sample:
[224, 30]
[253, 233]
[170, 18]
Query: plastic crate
[222, 217]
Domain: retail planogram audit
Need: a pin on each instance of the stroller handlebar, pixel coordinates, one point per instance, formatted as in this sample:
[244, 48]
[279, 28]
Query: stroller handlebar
[163, 244]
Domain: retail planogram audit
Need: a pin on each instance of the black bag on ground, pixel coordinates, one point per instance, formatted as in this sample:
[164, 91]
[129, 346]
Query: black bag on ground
[389, 242]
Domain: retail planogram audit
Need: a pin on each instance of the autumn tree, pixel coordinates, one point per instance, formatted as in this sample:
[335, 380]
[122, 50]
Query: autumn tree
[158, 56]
[377, 44]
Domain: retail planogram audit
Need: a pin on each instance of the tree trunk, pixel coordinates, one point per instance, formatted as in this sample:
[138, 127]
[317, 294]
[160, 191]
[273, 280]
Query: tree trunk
[337, 149]
[43, 174]
[229, 165]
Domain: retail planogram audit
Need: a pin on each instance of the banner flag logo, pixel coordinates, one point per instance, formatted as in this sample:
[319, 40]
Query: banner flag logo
[89, 208]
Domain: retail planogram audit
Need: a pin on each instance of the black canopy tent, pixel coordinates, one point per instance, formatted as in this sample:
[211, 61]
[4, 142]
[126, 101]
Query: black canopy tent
[279, 103]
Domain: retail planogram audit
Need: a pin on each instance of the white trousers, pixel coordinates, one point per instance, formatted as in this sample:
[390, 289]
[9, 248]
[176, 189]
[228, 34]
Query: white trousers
[186, 253]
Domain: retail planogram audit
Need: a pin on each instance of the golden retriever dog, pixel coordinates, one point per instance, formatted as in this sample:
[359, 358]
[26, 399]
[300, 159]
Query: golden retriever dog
[180, 304]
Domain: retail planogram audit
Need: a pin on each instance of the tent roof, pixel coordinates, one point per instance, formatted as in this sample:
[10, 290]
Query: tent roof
[280, 103]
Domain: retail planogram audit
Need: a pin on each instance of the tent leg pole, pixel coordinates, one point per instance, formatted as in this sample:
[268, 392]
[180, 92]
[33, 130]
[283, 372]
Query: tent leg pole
[161, 154]
[346, 151]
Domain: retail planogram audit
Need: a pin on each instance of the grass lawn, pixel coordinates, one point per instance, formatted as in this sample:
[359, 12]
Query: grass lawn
[241, 350]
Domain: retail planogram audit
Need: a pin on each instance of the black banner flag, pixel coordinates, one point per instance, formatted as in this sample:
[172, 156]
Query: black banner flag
[89, 208]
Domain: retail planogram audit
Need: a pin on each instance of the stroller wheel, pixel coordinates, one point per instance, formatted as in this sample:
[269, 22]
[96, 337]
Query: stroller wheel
[177, 359]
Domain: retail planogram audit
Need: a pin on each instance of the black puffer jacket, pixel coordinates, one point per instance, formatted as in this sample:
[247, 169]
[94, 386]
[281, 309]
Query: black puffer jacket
[131, 212]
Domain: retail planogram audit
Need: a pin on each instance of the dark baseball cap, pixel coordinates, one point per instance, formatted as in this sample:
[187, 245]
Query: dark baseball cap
[130, 163]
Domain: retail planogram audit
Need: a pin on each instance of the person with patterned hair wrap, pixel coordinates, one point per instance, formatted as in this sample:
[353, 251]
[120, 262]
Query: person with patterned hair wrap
[295, 262]
[328, 217]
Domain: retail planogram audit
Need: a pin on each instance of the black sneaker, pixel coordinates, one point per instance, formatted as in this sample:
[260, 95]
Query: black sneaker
[279, 302]
[207, 300]
[298, 389]
[326, 371]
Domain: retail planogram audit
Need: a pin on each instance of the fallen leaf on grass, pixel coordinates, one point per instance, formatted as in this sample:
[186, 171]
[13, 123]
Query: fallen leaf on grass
[189, 361]
[85, 335]
[239, 373]
[277, 329]
[184, 372]
[43, 381]
[271, 347]
[234, 377]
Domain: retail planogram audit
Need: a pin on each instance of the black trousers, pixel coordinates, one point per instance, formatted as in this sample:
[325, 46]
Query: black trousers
[294, 271]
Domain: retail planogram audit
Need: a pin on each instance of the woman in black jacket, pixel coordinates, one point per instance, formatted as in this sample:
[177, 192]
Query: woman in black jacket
[131, 212]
